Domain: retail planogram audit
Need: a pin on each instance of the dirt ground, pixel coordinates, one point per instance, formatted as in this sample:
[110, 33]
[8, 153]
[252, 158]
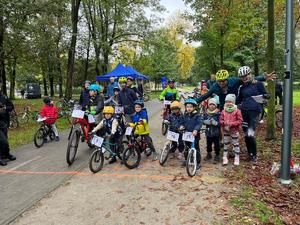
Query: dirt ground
[150, 194]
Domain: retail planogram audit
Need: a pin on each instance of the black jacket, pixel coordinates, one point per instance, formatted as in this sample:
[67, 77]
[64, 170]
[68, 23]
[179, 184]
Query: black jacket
[6, 106]
[126, 99]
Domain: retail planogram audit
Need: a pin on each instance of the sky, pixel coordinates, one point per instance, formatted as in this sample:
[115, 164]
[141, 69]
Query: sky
[173, 6]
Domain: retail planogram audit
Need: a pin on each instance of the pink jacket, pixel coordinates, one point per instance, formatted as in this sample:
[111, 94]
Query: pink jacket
[232, 120]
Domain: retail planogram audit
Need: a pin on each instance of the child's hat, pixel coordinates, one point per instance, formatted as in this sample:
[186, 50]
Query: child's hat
[108, 110]
[230, 98]
[212, 101]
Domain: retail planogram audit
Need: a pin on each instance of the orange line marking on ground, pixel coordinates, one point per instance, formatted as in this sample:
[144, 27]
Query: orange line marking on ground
[141, 176]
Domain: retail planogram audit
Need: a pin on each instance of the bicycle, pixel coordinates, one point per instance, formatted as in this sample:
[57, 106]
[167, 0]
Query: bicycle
[101, 148]
[191, 161]
[40, 137]
[81, 126]
[24, 116]
[165, 114]
[65, 103]
[136, 146]
[13, 121]
[278, 116]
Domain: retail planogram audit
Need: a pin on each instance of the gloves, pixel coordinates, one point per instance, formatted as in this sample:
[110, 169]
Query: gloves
[141, 122]
[214, 123]
[227, 128]
[207, 122]
[181, 128]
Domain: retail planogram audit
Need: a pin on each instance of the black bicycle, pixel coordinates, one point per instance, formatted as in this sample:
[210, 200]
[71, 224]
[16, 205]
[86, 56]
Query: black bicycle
[42, 133]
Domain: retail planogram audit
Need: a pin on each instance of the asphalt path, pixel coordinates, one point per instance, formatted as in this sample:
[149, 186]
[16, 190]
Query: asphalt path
[18, 193]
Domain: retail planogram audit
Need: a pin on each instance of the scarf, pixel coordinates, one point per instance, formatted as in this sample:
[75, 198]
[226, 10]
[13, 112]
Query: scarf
[230, 109]
[209, 112]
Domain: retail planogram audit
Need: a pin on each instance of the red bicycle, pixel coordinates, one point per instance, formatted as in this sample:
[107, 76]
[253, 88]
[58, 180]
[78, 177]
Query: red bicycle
[80, 130]
[165, 114]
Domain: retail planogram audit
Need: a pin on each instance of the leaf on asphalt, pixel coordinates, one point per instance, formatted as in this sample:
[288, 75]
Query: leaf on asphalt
[107, 215]
[188, 202]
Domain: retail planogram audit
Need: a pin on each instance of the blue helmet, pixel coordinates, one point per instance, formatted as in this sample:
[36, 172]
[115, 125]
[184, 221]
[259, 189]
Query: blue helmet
[191, 101]
[94, 87]
[139, 102]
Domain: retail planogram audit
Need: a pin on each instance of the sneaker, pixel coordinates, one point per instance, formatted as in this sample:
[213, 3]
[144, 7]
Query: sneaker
[112, 160]
[208, 157]
[225, 160]
[254, 159]
[216, 159]
[56, 138]
[236, 160]
[11, 157]
[154, 156]
[2, 163]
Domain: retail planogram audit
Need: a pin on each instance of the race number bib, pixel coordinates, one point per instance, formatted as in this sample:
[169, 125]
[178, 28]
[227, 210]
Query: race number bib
[188, 136]
[172, 136]
[119, 109]
[91, 119]
[166, 102]
[97, 141]
[128, 131]
[78, 114]
[41, 119]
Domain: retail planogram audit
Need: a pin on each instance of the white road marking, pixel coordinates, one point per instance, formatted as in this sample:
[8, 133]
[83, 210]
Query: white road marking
[26, 162]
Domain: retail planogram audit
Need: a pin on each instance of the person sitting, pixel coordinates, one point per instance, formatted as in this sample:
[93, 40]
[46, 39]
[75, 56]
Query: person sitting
[49, 111]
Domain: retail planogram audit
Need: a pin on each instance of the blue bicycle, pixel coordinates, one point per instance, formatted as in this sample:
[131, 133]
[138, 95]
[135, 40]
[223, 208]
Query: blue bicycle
[191, 161]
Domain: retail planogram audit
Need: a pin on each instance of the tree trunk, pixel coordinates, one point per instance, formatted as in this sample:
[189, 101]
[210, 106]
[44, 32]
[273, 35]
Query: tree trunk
[2, 55]
[105, 62]
[45, 86]
[51, 82]
[256, 68]
[271, 84]
[72, 49]
[58, 62]
[13, 79]
[97, 66]
[87, 57]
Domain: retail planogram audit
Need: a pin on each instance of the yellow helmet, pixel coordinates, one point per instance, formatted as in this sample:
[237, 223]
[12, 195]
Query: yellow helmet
[108, 110]
[175, 104]
[122, 80]
[222, 75]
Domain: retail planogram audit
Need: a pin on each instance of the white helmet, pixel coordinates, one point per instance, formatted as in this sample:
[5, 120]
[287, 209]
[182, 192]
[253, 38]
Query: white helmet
[244, 70]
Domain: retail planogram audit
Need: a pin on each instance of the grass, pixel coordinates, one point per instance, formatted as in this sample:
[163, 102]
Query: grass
[24, 134]
[296, 97]
[154, 94]
[252, 210]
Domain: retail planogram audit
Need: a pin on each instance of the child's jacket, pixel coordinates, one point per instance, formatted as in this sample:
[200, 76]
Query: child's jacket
[212, 124]
[50, 112]
[231, 119]
[140, 119]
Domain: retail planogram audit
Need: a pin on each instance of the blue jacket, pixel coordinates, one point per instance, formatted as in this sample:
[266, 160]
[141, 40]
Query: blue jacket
[212, 130]
[210, 83]
[126, 99]
[176, 121]
[245, 99]
[84, 98]
[110, 89]
[192, 121]
[140, 115]
[232, 88]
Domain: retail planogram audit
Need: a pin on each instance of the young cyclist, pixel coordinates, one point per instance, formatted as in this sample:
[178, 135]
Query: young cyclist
[109, 126]
[231, 119]
[95, 104]
[140, 119]
[49, 111]
[170, 93]
[192, 123]
[176, 120]
[113, 100]
[211, 120]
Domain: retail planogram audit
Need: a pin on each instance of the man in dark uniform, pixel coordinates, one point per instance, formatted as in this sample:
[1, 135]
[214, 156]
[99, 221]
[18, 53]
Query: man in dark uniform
[6, 106]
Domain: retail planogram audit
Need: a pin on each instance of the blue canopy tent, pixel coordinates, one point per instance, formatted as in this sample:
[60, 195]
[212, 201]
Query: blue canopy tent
[122, 71]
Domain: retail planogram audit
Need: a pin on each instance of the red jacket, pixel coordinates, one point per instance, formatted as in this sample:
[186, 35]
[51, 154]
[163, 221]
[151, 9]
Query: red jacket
[50, 112]
[232, 120]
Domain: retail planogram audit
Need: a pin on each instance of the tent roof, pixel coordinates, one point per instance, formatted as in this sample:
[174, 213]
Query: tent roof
[122, 71]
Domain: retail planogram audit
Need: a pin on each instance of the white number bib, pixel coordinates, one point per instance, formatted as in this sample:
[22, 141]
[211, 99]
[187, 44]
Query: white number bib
[172, 136]
[97, 141]
[78, 114]
[91, 119]
[188, 136]
[119, 109]
[166, 102]
[128, 131]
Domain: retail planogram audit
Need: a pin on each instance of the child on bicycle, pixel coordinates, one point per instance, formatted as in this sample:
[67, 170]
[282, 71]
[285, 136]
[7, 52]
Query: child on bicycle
[231, 119]
[140, 120]
[49, 111]
[176, 120]
[192, 123]
[213, 132]
[110, 128]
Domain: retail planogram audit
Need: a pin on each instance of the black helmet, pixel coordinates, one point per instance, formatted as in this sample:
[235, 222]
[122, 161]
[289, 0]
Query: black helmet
[130, 78]
[47, 100]
[171, 80]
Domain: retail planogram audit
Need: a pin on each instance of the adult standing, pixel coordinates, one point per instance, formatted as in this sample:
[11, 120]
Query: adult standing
[110, 88]
[6, 106]
[126, 98]
[229, 85]
[140, 85]
[22, 93]
[250, 108]
[84, 95]
[211, 81]
[130, 81]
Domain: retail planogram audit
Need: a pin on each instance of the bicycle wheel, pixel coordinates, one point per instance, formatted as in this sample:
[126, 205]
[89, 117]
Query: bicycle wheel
[279, 119]
[13, 123]
[164, 128]
[51, 135]
[96, 160]
[23, 118]
[146, 98]
[148, 151]
[164, 154]
[39, 138]
[72, 147]
[191, 163]
[131, 157]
